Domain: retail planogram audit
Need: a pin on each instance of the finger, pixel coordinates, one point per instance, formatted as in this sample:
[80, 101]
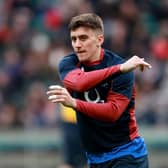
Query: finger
[52, 97]
[54, 92]
[143, 62]
[144, 65]
[56, 98]
[55, 87]
[59, 100]
[147, 65]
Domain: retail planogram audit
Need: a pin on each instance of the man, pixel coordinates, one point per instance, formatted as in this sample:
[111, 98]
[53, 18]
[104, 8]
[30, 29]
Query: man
[99, 86]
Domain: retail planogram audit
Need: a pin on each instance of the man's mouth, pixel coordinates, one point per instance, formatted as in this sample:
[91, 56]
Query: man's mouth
[80, 52]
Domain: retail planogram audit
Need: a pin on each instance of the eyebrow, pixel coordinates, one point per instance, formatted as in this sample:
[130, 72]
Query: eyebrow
[80, 36]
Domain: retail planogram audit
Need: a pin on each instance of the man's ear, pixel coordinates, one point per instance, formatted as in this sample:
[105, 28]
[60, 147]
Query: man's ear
[100, 39]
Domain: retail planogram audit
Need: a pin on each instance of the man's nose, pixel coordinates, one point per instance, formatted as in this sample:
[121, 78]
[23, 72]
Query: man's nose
[77, 43]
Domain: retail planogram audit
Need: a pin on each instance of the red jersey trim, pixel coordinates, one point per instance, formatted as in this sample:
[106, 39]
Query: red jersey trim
[132, 124]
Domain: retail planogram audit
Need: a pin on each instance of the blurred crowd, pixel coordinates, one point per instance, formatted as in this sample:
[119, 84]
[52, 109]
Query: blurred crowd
[34, 37]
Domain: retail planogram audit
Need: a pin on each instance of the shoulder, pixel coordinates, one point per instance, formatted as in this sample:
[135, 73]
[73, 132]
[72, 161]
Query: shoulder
[68, 60]
[67, 64]
[113, 58]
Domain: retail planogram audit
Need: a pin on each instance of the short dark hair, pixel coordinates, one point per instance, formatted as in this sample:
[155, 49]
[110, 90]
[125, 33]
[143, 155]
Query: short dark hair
[90, 20]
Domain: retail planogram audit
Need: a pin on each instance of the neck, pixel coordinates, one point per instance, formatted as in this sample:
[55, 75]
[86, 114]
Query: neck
[97, 55]
[97, 58]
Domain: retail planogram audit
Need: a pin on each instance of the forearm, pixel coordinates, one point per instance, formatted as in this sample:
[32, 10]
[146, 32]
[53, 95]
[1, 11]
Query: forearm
[109, 111]
[79, 80]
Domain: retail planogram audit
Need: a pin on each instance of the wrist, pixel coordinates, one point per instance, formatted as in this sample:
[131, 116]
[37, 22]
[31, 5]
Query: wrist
[74, 103]
[121, 67]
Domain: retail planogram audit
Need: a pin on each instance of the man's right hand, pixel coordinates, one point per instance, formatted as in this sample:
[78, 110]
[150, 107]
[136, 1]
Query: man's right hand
[59, 94]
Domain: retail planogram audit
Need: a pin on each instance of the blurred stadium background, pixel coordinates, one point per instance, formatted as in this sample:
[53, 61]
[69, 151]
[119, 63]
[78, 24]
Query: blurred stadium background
[34, 37]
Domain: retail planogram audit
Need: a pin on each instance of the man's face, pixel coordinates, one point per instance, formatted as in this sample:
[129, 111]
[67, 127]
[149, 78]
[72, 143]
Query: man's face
[86, 43]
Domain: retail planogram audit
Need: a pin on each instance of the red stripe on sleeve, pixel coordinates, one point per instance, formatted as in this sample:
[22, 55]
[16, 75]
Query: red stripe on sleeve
[79, 80]
[132, 123]
[108, 111]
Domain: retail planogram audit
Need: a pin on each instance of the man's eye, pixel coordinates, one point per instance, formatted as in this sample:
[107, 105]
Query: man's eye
[73, 39]
[83, 38]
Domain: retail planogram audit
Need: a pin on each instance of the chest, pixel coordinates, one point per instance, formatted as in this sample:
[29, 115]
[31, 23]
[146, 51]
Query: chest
[99, 93]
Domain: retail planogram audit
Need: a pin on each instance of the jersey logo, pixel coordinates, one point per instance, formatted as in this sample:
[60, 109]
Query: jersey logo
[92, 95]
[96, 98]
